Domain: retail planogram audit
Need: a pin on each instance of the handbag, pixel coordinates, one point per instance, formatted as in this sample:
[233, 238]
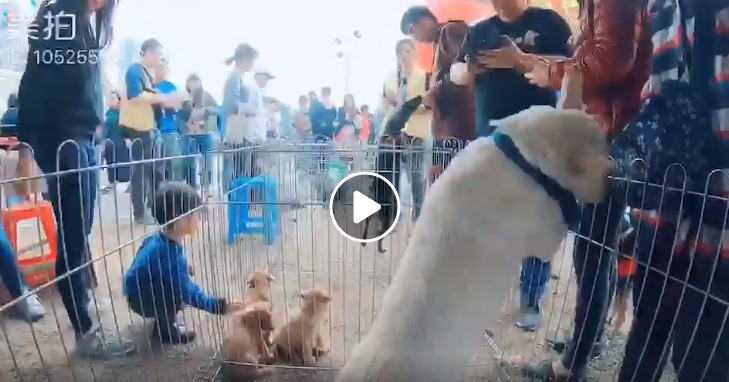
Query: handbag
[666, 155]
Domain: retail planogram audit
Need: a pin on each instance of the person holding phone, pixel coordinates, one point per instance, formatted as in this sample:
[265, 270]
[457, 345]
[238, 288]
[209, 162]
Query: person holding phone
[502, 90]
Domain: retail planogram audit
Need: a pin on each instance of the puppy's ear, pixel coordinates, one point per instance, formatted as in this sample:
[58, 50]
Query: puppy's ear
[270, 278]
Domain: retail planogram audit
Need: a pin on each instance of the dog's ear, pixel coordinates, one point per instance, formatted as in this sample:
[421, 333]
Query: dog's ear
[270, 278]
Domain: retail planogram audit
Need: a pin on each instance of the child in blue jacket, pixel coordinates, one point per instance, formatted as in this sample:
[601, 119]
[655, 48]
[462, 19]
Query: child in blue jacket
[158, 284]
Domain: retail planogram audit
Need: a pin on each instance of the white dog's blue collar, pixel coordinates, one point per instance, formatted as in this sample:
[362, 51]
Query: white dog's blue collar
[566, 199]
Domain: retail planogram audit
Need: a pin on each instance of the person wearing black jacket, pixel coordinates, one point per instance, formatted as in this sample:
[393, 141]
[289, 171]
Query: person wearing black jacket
[60, 92]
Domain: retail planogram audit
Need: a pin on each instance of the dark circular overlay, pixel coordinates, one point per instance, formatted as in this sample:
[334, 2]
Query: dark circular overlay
[372, 187]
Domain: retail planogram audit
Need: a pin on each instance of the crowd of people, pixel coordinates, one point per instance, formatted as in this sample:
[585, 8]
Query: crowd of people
[621, 50]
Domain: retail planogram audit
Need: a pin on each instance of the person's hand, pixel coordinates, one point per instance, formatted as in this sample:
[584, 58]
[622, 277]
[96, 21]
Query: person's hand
[506, 57]
[539, 75]
[429, 98]
[182, 95]
[197, 114]
[235, 306]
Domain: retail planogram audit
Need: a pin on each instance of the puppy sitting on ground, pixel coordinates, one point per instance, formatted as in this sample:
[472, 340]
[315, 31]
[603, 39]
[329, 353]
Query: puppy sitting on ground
[259, 290]
[299, 340]
[259, 287]
[503, 198]
[246, 344]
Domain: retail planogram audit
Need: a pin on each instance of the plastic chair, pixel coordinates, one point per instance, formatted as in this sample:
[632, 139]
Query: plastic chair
[39, 269]
[240, 220]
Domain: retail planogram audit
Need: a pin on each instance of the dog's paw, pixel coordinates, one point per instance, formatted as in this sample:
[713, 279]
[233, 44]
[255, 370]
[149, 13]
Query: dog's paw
[320, 352]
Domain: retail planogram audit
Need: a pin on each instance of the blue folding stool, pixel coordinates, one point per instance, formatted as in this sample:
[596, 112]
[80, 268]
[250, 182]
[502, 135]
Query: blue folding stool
[240, 220]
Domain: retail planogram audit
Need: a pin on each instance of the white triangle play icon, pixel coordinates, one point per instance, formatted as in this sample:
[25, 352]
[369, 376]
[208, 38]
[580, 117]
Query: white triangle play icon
[363, 207]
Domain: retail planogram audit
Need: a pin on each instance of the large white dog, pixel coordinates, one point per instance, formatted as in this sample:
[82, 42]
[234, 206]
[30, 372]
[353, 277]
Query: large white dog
[479, 220]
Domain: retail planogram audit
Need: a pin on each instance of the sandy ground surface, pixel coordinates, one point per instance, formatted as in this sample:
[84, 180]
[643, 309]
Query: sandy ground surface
[309, 253]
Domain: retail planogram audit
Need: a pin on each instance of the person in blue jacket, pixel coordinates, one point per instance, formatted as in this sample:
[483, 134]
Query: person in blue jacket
[159, 283]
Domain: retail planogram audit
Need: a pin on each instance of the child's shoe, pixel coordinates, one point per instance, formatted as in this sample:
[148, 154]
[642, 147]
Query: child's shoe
[174, 334]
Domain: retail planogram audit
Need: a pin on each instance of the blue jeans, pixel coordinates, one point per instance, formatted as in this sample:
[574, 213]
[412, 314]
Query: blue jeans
[535, 275]
[173, 168]
[9, 269]
[198, 144]
[73, 196]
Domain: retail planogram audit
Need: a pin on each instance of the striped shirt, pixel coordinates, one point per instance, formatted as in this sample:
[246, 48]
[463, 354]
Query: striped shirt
[666, 23]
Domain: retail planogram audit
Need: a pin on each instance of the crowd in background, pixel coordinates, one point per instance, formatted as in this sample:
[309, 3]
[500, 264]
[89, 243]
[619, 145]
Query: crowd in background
[613, 54]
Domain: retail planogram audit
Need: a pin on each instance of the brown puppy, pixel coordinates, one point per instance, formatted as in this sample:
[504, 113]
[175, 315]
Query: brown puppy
[299, 340]
[259, 290]
[245, 344]
[259, 287]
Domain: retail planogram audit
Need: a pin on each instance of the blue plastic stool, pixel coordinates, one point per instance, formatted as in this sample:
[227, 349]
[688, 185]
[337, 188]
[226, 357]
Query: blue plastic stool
[239, 219]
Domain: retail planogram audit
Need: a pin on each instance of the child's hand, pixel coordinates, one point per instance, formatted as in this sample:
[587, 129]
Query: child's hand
[235, 306]
[190, 269]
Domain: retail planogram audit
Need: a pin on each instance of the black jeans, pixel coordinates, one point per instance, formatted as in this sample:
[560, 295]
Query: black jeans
[162, 307]
[116, 151]
[146, 177]
[684, 313]
[595, 266]
[73, 196]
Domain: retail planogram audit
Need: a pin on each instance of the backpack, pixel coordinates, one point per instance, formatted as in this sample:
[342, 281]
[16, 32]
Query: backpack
[670, 149]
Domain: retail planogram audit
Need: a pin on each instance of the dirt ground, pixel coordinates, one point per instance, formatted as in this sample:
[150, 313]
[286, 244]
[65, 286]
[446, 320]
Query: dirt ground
[310, 252]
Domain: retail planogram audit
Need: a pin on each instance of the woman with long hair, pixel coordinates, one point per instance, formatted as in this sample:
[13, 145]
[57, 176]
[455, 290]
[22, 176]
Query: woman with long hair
[58, 122]
[237, 111]
[408, 81]
[198, 121]
[611, 61]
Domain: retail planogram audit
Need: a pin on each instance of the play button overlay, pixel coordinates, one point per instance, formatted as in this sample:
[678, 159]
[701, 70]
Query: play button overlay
[363, 197]
[364, 207]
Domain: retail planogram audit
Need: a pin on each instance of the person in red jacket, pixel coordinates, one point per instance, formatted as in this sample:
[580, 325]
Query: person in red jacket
[613, 57]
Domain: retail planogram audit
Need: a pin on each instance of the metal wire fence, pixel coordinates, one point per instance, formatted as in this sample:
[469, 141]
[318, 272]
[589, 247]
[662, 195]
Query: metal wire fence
[681, 304]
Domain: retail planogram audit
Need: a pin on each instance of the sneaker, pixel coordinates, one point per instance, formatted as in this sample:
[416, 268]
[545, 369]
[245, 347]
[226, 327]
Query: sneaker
[31, 308]
[178, 334]
[98, 344]
[529, 320]
[145, 220]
